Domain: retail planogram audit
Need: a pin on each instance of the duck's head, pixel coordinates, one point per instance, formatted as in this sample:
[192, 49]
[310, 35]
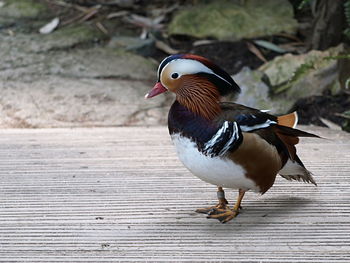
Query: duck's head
[195, 80]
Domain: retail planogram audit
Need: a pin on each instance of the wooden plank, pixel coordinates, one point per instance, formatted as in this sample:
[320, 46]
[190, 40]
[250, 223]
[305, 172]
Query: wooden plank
[120, 194]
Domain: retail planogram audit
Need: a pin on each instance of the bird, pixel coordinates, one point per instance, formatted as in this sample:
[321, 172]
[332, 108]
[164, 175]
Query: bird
[224, 143]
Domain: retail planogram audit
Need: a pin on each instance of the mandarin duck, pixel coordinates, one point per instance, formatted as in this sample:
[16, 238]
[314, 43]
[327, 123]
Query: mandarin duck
[226, 144]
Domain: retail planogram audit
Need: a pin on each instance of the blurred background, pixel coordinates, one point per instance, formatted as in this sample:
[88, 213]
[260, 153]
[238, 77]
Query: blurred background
[88, 63]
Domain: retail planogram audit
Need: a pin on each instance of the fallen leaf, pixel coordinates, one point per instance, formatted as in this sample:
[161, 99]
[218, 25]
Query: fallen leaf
[347, 84]
[288, 36]
[345, 114]
[330, 124]
[165, 48]
[145, 22]
[89, 14]
[49, 27]
[101, 27]
[256, 52]
[203, 42]
[270, 46]
[10, 32]
[117, 14]
[297, 47]
[122, 3]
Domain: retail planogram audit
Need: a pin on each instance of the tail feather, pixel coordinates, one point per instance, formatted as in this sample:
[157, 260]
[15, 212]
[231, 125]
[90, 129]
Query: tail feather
[294, 132]
[289, 120]
[293, 170]
[290, 137]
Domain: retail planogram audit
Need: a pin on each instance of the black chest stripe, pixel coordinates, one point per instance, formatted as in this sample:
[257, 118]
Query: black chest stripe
[227, 138]
[211, 139]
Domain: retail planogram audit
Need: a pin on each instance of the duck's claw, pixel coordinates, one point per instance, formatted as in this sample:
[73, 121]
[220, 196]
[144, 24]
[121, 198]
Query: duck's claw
[207, 210]
[220, 206]
[222, 211]
[223, 215]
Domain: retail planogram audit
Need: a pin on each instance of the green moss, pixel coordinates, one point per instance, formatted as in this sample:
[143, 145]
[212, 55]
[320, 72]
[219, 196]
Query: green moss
[79, 33]
[227, 20]
[301, 71]
[346, 122]
[23, 9]
[69, 36]
[288, 71]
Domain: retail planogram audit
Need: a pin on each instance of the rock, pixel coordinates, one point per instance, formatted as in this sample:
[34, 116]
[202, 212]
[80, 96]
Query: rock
[48, 81]
[98, 63]
[346, 123]
[290, 67]
[290, 78]
[21, 45]
[23, 12]
[68, 37]
[24, 55]
[102, 62]
[228, 20]
[298, 76]
[254, 92]
[282, 68]
[143, 47]
[53, 101]
[22, 9]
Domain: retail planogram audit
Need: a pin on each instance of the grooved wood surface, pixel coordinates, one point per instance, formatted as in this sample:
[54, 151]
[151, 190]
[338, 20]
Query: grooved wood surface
[120, 194]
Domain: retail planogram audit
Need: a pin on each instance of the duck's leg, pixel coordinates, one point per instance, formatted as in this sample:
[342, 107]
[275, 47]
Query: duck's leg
[225, 215]
[221, 205]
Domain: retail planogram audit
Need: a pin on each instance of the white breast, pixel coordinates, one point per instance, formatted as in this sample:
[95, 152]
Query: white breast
[214, 170]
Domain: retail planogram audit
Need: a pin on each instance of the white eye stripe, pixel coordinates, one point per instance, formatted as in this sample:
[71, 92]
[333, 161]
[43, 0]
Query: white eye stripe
[189, 66]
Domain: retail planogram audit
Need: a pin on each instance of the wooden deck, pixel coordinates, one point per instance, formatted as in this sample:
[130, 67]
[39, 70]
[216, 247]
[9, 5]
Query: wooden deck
[120, 194]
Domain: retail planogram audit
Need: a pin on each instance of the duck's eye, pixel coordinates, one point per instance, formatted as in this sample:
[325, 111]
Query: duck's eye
[175, 75]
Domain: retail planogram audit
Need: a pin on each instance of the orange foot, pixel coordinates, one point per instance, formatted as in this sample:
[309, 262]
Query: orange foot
[210, 209]
[222, 211]
[223, 214]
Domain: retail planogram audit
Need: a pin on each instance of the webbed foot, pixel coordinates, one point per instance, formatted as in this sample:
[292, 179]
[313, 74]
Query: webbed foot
[223, 215]
[222, 211]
